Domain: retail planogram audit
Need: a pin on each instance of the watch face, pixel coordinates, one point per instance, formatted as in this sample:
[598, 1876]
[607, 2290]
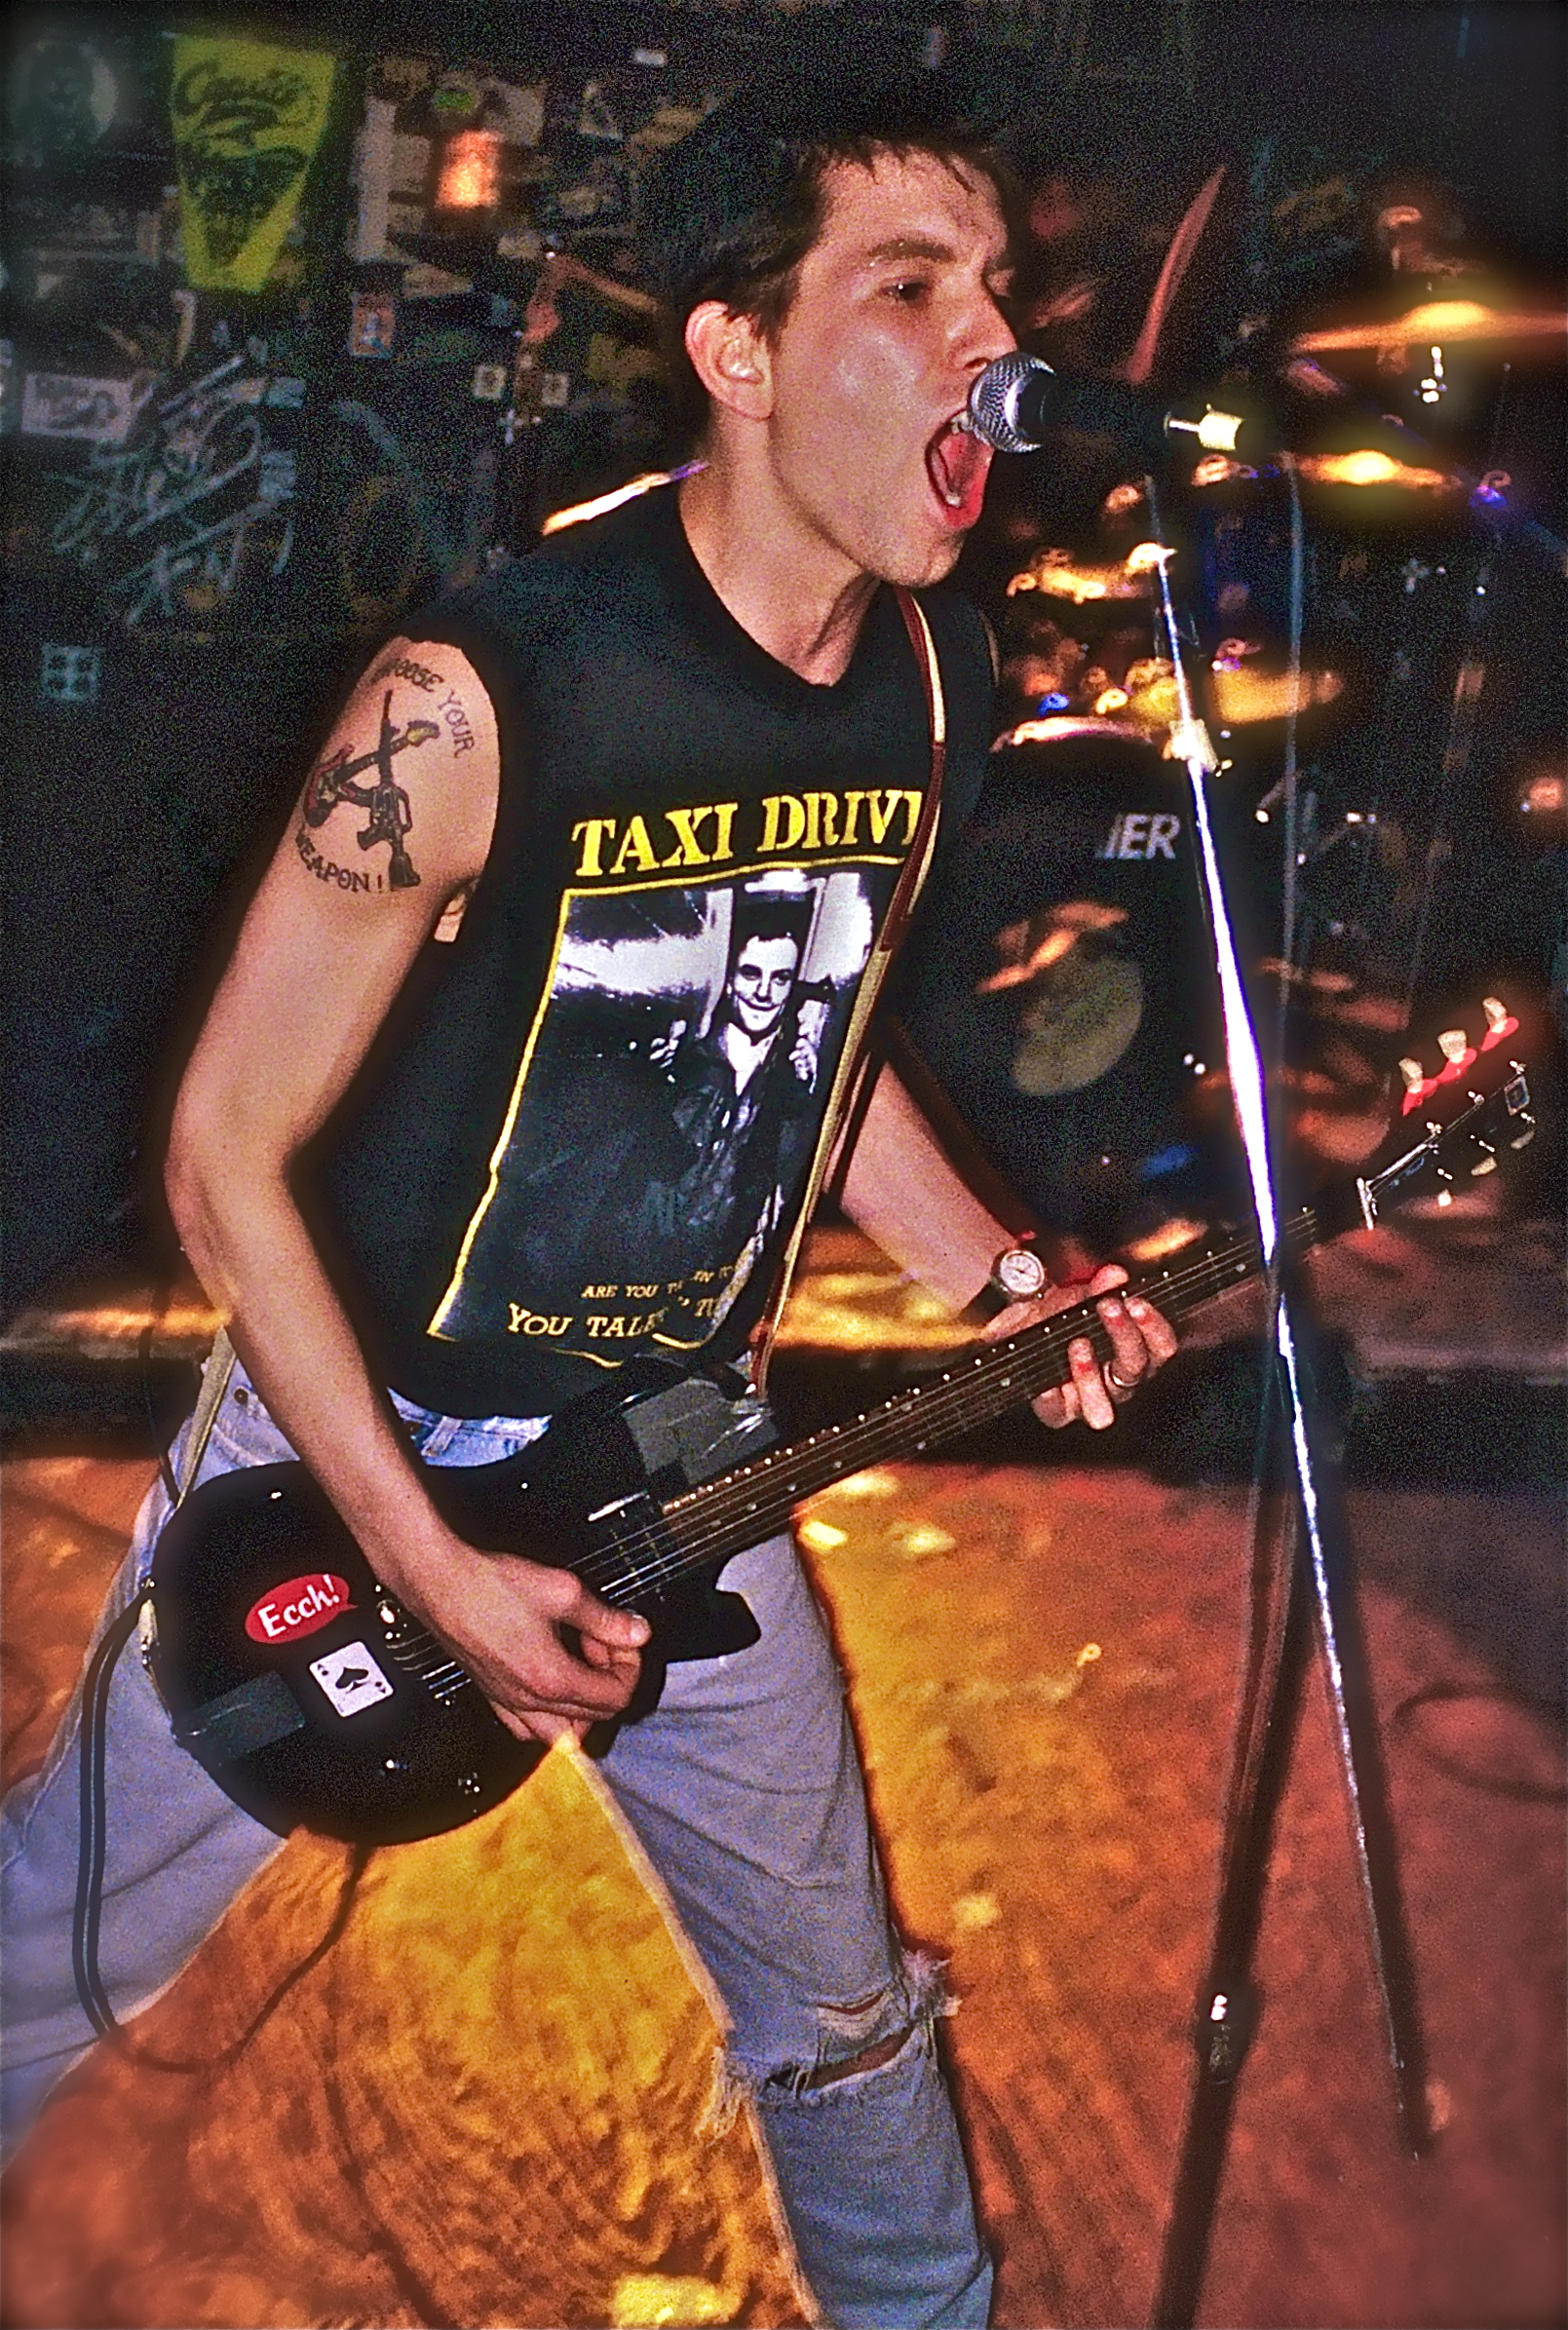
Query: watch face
[1021, 1274]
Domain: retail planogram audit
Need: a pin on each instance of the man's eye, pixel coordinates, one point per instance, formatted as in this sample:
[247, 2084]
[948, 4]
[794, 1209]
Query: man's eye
[909, 288]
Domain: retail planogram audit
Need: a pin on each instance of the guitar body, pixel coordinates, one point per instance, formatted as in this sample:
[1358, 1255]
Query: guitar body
[313, 1698]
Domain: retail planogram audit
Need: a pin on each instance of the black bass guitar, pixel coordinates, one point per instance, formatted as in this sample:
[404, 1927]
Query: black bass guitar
[312, 1697]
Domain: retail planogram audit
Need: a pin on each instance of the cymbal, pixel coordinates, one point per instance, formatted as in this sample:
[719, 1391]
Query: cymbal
[1068, 728]
[1244, 694]
[1435, 321]
[1142, 711]
[1060, 575]
[1364, 466]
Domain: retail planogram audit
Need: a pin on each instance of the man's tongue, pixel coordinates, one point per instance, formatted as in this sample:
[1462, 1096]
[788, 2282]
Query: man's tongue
[957, 461]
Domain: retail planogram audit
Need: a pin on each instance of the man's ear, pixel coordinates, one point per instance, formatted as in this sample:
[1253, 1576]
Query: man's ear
[731, 358]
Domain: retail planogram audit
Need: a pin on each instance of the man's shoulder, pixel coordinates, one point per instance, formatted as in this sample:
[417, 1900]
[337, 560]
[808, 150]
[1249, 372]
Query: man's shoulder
[595, 565]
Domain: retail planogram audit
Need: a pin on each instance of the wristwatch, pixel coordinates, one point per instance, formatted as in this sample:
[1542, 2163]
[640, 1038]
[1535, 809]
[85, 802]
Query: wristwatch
[1017, 1275]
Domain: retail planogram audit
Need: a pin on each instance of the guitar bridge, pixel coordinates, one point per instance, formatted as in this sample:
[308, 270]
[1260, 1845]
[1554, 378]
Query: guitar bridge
[416, 1651]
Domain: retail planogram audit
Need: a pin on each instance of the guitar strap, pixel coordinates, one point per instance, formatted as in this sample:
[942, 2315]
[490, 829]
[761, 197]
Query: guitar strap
[215, 1379]
[851, 1085]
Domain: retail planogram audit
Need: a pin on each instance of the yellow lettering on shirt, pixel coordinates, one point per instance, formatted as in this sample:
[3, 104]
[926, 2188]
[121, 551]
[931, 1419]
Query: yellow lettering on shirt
[523, 1321]
[688, 849]
[704, 833]
[635, 849]
[784, 822]
[596, 831]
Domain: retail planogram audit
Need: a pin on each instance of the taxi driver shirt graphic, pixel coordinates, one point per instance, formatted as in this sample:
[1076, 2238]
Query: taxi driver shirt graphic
[673, 1088]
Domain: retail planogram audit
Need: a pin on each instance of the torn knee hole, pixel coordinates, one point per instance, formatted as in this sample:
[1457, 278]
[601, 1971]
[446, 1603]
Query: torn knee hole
[869, 2059]
[853, 2041]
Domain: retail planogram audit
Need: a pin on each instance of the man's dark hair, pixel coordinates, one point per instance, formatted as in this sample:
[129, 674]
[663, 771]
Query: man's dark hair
[734, 209]
[776, 916]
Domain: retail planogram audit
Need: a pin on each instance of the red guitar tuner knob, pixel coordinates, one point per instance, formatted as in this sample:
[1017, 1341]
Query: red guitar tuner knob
[1500, 1022]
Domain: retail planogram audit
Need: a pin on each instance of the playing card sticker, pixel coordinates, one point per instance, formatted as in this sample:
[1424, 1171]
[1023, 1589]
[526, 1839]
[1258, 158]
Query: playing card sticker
[351, 1679]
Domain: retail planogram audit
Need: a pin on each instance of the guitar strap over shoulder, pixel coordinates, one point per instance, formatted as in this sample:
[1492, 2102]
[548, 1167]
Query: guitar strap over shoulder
[851, 1082]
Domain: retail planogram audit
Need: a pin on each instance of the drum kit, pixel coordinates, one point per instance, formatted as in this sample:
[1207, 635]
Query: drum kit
[1062, 1003]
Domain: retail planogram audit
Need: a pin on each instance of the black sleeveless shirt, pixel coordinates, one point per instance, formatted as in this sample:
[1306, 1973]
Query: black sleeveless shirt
[585, 1126]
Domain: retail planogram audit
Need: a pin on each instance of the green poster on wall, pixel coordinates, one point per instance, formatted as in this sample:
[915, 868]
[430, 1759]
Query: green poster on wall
[248, 119]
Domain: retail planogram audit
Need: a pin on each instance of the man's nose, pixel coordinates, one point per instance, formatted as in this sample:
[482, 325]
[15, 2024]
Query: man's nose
[987, 334]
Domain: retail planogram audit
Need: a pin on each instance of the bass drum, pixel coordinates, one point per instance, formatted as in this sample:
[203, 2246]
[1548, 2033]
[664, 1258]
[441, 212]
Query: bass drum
[1062, 993]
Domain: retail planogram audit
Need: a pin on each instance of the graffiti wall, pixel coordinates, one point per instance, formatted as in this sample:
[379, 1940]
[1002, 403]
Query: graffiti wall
[299, 338]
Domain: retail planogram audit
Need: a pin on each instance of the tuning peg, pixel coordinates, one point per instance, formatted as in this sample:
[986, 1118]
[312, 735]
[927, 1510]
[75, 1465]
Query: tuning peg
[1417, 1085]
[1457, 1050]
[1500, 1022]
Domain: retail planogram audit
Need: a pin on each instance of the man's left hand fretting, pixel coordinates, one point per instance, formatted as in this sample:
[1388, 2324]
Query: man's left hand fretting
[1141, 1341]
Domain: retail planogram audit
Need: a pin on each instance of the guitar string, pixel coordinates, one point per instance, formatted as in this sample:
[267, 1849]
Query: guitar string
[619, 1571]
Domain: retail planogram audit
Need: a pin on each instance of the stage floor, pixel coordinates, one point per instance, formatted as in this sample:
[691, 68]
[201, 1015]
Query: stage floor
[485, 2105]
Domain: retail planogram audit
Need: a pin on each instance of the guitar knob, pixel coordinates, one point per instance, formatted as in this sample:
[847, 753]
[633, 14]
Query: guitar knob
[1456, 1052]
[1417, 1084]
[1500, 1021]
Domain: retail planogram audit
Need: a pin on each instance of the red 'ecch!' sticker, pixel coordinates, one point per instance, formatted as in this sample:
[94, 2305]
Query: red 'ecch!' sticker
[298, 1607]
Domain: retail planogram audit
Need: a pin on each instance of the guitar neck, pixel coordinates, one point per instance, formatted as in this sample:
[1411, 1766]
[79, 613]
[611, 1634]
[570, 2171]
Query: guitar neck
[724, 1517]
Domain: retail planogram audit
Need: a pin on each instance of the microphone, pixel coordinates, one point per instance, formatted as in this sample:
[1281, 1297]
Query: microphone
[1018, 399]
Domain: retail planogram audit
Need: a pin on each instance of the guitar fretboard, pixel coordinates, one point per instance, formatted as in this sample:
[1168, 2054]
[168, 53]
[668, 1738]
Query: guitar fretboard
[708, 1525]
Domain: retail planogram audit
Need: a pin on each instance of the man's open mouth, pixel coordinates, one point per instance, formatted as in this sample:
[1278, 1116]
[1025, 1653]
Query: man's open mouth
[957, 463]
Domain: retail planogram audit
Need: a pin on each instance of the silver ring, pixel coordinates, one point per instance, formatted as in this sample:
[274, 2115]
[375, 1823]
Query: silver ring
[1113, 1380]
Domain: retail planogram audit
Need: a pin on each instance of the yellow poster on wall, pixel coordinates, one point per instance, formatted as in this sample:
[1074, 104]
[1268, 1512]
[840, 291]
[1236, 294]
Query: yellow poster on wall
[246, 119]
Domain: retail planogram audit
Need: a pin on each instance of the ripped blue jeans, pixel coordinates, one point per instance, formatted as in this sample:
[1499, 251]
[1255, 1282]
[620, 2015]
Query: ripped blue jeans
[743, 1791]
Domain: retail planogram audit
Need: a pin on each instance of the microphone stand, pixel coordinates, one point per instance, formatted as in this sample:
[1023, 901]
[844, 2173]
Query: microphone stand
[1226, 2010]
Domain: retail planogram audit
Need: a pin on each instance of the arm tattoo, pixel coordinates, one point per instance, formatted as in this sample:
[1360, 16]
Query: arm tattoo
[401, 666]
[385, 802]
[457, 722]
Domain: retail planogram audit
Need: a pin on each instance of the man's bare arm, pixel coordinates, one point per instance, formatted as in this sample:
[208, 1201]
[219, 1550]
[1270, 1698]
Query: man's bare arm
[900, 1189]
[393, 824]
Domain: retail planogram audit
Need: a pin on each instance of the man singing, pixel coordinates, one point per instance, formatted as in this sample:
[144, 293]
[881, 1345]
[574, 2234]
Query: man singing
[606, 749]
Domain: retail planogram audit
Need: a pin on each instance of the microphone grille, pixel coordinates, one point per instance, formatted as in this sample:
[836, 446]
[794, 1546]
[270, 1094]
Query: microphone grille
[993, 402]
